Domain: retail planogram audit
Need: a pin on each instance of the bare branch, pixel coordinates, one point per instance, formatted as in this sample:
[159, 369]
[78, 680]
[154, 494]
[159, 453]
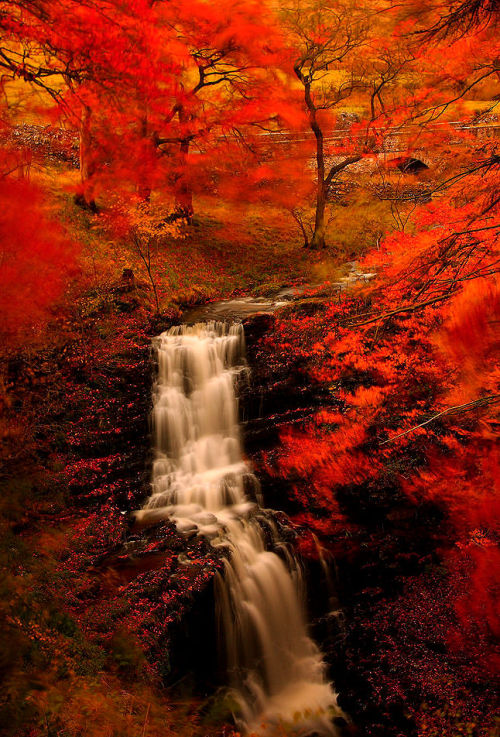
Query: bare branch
[482, 402]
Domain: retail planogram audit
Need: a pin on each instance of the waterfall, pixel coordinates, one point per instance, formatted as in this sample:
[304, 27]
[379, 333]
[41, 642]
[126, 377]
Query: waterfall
[202, 483]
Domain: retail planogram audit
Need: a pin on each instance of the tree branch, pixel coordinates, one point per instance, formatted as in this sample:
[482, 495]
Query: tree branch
[482, 402]
[337, 168]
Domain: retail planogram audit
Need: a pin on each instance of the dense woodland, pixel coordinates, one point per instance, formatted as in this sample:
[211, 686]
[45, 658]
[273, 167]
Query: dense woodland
[155, 155]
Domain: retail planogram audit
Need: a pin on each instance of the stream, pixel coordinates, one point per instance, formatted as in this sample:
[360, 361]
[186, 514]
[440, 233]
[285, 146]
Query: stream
[202, 483]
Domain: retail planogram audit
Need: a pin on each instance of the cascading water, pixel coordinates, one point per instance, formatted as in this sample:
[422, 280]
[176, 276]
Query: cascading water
[202, 483]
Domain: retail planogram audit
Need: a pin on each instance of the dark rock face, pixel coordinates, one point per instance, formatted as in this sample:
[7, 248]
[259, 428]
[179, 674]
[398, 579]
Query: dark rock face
[275, 394]
[169, 582]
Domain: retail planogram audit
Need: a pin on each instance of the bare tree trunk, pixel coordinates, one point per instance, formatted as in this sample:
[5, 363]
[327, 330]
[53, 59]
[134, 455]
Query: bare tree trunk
[183, 190]
[298, 219]
[324, 180]
[318, 238]
[145, 255]
[87, 169]
[144, 185]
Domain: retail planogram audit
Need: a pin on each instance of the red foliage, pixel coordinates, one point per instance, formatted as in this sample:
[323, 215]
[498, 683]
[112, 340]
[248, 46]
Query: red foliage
[147, 85]
[37, 260]
[411, 367]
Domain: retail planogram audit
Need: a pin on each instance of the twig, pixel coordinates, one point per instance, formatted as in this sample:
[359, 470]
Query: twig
[146, 720]
[408, 308]
[491, 399]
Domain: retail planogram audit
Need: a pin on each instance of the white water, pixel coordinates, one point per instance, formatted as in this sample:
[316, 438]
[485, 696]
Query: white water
[202, 483]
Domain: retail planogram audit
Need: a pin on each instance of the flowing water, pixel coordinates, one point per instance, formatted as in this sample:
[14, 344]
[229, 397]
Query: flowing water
[203, 484]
